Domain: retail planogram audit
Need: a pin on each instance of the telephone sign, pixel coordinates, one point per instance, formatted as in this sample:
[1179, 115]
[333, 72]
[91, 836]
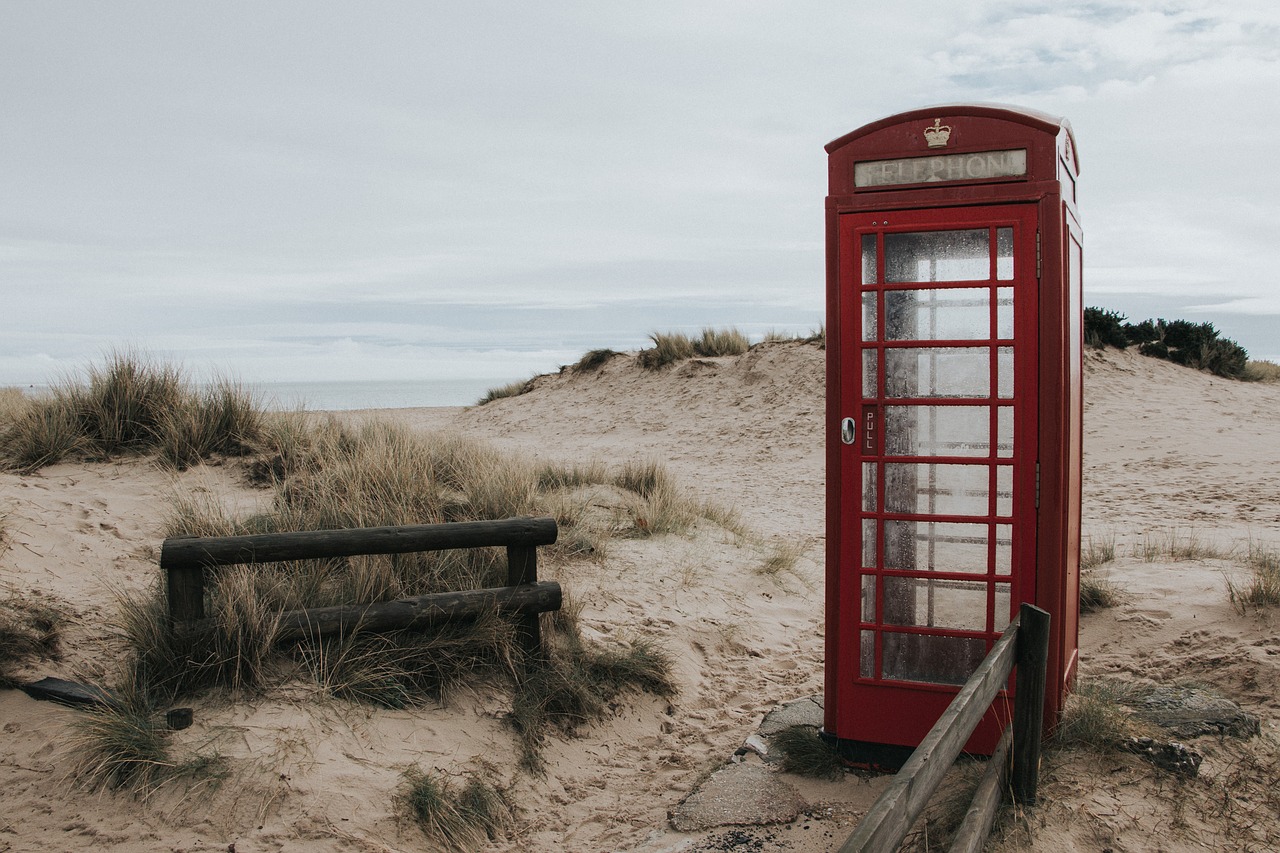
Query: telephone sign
[954, 413]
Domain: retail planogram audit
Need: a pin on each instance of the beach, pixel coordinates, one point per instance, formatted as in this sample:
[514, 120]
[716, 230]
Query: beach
[1178, 478]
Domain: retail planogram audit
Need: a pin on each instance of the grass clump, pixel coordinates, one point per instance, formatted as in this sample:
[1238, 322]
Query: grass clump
[129, 405]
[578, 680]
[1097, 717]
[806, 754]
[122, 747]
[1097, 552]
[1261, 371]
[1262, 590]
[511, 389]
[1097, 593]
[671, 347]
[29, 630]
[667, 349]
[1175, 547]
[594, 360]
[718, 342]
[456, 817]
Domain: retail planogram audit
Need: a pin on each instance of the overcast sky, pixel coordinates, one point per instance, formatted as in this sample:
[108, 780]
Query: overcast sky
[365, 190]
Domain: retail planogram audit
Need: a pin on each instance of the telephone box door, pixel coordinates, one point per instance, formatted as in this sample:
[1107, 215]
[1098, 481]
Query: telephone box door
[939, 457]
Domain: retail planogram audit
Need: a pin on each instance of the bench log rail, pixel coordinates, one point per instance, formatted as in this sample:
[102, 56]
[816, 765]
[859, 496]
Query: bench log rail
[185, 559]
[1024, 644]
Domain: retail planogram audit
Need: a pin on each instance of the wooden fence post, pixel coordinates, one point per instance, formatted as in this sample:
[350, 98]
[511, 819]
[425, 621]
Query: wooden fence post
[185, 587]
[522, 568]
[1028, 702]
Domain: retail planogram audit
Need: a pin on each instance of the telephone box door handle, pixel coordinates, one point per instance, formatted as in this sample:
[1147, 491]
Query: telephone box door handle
[849, 431]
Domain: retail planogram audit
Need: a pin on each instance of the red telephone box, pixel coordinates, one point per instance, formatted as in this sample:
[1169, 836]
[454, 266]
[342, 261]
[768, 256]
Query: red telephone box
[953, 414]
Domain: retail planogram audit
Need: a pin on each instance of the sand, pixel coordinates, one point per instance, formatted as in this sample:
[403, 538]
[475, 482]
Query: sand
[1173, 457]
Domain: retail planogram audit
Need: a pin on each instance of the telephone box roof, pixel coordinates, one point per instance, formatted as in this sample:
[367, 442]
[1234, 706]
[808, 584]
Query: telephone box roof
[1036, 119]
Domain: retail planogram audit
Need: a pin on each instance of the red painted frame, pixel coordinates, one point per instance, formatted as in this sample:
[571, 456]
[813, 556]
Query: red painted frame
[1052, 583]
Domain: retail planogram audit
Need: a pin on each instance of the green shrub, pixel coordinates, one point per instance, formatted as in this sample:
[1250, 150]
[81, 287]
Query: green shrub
[1195, 345]
[1103, 328]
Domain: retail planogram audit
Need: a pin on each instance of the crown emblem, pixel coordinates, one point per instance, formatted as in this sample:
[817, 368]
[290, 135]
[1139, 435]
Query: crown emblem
[937, 135]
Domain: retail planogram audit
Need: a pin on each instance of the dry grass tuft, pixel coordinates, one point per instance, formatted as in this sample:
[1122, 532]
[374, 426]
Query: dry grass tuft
[1263, 589]
[576, 683]
[456, 818]
[130, 405]
[594, 360]
[806, 754]
[511, 389]
[29, 630]
[1261, 371]
[782, 556]
[1097, 593]
[1176, 547]
[1098, 718]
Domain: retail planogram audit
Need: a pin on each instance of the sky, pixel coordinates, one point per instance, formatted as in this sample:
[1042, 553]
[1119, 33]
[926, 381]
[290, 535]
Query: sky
[289, 191]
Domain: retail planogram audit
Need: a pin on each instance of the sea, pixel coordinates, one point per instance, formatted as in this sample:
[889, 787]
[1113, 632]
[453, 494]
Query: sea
[338, 396]
[381, 394]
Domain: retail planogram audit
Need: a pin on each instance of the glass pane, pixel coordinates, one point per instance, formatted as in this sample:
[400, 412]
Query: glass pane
[1004, 431]
[868, 487]
[1004, 313]
[938, 256]
[869, 259]
[926, 602]
[936, 546]
[868, 598]
[870, 328]
[935, 660]
[934, 489]
[1005, 372]
[868, 543]
[869, 378]
[938, 314]
[1004, 490]
[867, 653]
[938, 372]
[1004, 254]
[937, 430]
[1004, 549]
[1003, 613]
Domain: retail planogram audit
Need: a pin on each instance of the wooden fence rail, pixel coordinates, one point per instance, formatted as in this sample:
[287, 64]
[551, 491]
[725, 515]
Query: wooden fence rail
[185, 559]
[1024, 643]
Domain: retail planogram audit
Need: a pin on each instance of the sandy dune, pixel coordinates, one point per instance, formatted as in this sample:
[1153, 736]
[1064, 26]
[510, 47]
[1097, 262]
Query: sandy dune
[1172, 456]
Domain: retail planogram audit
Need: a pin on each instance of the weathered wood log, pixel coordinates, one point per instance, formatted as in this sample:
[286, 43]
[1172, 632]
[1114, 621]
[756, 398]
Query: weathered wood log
[179, 553]
[420, 611]
[889, 819]
[71, 693]
[1028, 702]
[971, 837]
